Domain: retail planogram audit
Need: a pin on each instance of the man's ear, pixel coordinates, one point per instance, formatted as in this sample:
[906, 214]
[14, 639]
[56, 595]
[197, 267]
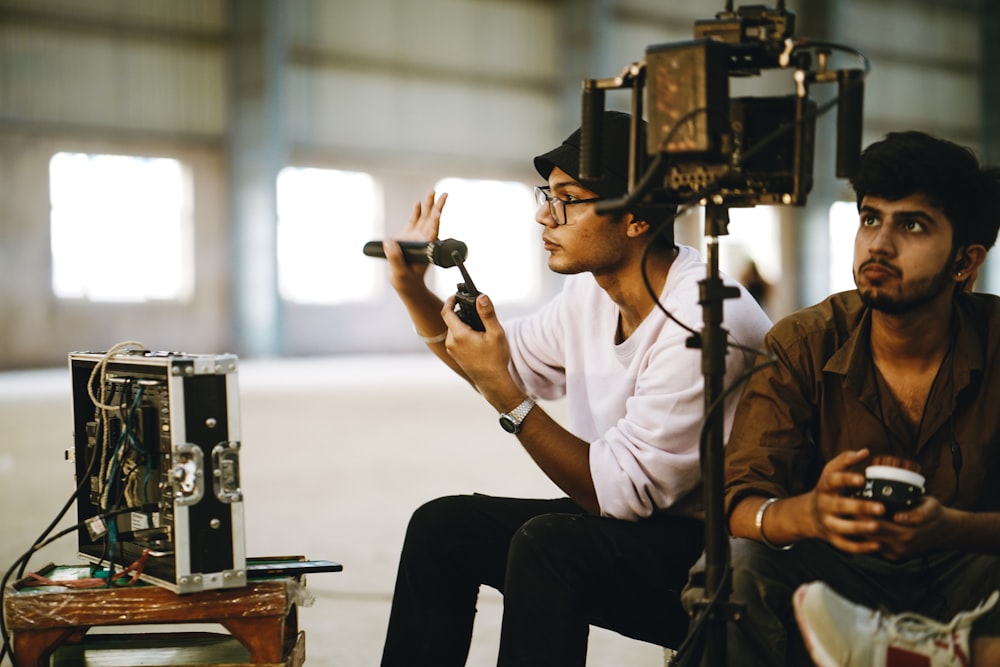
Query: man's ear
[635, 226]
[968, 259]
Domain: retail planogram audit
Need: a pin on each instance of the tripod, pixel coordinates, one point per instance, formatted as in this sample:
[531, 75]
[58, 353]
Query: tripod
[713, 354]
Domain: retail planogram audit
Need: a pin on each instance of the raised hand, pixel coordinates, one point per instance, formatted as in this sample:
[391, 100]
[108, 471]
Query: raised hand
[424, 223]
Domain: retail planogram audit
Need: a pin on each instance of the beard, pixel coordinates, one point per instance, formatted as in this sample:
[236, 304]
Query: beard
[921, 293]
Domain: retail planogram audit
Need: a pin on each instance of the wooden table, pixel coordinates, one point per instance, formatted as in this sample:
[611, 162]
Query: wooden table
[262, 616]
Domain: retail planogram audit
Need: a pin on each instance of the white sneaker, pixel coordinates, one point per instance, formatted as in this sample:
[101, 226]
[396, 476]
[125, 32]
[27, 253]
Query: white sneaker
[840, 633]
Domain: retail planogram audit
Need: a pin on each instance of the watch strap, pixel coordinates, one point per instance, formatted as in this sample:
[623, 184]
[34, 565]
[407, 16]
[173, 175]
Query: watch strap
[511, 421]
[521, 411]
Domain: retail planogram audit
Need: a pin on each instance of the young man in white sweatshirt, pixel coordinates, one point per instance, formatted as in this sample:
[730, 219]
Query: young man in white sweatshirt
[616, 550]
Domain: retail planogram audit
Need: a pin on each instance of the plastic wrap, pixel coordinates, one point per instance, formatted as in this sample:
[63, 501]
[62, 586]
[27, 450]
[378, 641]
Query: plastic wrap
[261, 615]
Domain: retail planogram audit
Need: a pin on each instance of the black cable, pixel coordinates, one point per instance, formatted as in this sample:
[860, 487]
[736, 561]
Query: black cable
[84, 479]
[41, 541]
[693, 640]
[26, 556]
[23, 561]
[691, 648]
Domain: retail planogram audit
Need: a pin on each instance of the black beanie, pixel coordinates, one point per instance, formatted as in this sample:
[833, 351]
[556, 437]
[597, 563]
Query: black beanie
[613, 183]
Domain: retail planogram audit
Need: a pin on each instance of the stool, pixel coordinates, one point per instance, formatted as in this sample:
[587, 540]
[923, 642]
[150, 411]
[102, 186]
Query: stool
[262, 615]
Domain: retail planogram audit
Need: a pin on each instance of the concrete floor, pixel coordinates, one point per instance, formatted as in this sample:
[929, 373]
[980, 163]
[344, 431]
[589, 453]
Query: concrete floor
[335, 455]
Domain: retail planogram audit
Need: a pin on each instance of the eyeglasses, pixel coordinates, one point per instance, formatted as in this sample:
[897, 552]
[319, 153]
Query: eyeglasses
[557, 206]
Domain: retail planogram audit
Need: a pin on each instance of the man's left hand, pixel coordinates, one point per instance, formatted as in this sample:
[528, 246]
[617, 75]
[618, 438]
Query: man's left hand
[914, 531]
[483, 355]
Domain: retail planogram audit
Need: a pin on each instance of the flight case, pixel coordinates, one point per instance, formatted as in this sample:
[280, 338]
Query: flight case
[156, 450]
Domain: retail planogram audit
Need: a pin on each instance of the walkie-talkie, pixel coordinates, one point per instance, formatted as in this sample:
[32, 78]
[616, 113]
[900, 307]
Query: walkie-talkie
[465, 297]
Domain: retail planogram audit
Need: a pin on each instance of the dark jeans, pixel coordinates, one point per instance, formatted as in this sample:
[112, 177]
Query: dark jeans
[937, 586]
[559, 569]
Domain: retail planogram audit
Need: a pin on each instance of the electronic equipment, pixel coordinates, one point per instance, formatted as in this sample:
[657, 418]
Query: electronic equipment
[446, 253]
[702, 143]
[895, 482]
[465, 297]
[156, 444]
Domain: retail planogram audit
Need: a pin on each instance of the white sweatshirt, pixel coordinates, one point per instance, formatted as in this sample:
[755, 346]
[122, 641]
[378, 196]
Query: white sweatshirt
[640, 404]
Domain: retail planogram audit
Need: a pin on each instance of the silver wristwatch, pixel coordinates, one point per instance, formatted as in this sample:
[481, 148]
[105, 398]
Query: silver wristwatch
[511, 421]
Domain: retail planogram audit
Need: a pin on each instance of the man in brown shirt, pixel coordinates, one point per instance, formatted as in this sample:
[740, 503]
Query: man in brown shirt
[906, 366]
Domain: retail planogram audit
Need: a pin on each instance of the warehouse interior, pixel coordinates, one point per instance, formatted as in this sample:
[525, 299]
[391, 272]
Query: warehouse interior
[292, 132]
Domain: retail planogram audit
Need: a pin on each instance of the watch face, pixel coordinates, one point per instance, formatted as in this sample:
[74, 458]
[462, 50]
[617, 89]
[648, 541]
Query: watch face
[509, 424]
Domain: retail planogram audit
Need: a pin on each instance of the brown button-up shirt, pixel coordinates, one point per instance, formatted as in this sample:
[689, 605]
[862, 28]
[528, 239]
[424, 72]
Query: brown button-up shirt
[821, 397]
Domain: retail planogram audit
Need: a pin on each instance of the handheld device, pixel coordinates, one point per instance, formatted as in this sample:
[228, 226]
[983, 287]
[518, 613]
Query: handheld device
[465, 297]
[895, 482]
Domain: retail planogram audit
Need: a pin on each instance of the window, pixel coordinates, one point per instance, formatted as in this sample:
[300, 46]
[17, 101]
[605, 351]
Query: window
[843, 229]
[754, 239]
[121, 228]
[496, 220]
[750, 251]
[325, 217]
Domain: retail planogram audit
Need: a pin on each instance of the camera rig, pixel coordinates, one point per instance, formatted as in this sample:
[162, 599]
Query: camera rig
[701, 141]
[704, 146]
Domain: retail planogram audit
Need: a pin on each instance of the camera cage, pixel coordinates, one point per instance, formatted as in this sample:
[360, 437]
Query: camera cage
[702, 144]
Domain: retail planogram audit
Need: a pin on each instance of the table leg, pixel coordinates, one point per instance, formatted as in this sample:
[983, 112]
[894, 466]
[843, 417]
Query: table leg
[32, 648]
[263, 637]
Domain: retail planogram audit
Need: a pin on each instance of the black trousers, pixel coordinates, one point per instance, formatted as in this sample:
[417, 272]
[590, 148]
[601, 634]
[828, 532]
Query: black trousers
[559, 569]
